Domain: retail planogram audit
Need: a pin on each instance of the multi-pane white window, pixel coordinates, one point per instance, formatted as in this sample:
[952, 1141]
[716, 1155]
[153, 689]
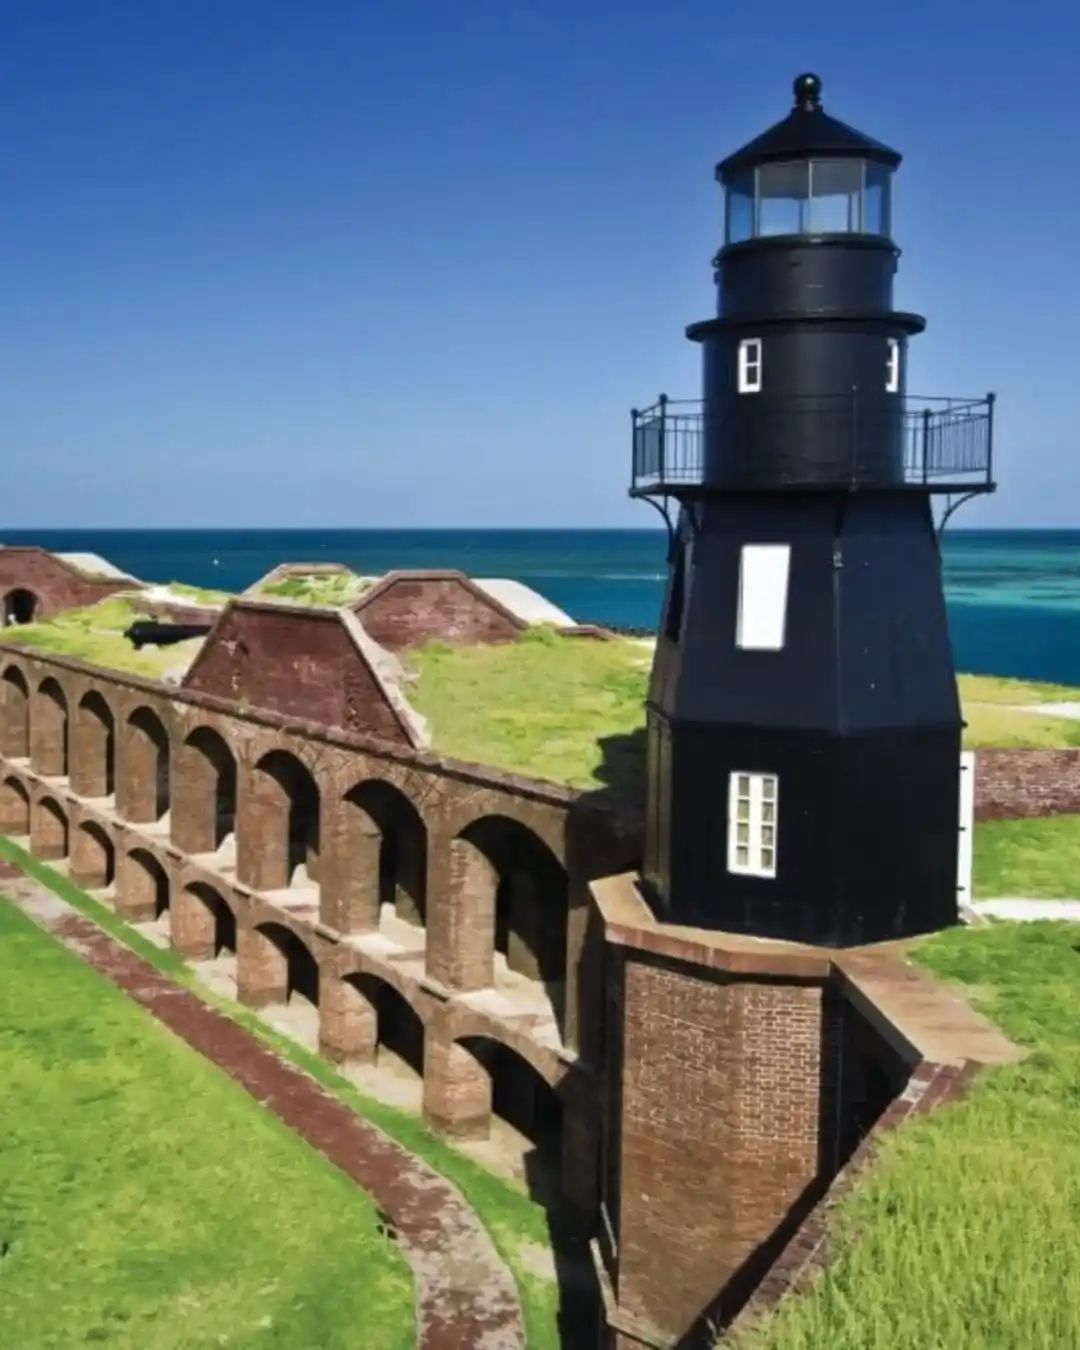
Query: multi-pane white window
[750, 366]
[752, 807]
[892, 366]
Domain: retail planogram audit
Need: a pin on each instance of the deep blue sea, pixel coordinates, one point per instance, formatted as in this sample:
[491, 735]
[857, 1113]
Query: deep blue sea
[1014, 595]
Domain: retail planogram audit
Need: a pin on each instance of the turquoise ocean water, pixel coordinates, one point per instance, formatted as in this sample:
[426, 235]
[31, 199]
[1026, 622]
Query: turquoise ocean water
[1014, 595]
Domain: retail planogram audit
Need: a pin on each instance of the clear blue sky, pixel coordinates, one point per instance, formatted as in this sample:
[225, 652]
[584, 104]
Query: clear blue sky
[410, 262]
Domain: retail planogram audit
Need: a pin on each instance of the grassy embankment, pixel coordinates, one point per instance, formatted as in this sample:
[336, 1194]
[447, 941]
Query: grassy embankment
[147, 1203]
[517, 1224]
[960, 1236]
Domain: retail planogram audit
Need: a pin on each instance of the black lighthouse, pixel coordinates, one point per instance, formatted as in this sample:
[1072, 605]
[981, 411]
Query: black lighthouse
[803, 718]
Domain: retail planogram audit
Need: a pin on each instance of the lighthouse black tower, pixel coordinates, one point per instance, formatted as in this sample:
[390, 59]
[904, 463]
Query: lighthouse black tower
[803, 719]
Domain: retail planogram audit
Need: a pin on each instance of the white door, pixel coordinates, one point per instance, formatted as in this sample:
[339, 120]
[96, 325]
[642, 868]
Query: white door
[966, 852]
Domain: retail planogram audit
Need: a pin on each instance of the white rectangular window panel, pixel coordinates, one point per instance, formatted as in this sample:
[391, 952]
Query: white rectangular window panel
[753, 800]
[892, 366]
[763, 594]
[750, 366]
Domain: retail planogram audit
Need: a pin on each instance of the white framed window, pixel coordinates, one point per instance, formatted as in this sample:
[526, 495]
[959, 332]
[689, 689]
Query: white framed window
[750, 366]
[892, 366]
[761, 619]
[753, 799]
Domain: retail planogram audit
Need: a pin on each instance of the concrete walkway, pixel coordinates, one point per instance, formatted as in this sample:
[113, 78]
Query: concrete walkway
[1021, 910]
[466, 1298]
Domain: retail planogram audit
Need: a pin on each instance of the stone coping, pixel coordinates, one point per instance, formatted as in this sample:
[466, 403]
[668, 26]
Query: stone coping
[919, 1016]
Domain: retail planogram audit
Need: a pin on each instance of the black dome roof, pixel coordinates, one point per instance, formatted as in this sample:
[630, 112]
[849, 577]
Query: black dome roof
[807, 131]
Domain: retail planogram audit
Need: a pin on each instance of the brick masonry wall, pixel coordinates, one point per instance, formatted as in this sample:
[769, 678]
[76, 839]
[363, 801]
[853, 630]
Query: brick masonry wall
[726, 1083]
[1021, 784]
[405, 611]
[806, 1255]
[56, 585]
[296, 663]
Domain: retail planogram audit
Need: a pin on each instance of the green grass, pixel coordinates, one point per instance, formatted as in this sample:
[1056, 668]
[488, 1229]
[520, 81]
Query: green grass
[1039, 859]
[567, 709]
[201, 595]
[963, 1236]
[516, 1223]
[96, 634]
[333, 589]
[148, 1203]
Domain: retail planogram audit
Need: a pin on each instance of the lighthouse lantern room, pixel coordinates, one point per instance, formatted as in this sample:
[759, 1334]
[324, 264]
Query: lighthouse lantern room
[803, 739]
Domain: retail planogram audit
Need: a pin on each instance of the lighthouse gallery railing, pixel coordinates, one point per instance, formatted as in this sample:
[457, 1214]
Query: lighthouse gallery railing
[946, 444]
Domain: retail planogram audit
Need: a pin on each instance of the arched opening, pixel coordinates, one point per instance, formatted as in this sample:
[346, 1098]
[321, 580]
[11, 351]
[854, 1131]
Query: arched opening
[203, 818]
[387, 852]
[204, 927]
[20, 606]
[15, 727]
[379, 1038]
[522, 887]
[48, 830]
[144, 891]
[145, 787]
[94, 772]
[49, 730]
[526, 1128]
[14, 808]
[93, 857]
[280, 834]
[301, 983]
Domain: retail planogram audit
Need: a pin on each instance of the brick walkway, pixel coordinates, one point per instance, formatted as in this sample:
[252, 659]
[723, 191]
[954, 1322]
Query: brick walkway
[466, 1298]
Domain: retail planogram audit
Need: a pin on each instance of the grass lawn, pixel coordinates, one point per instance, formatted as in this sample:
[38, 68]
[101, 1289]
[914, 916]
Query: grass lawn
[964, 1236]
[96, 635]
[517, 1224]
[1036, 859]
[147, 1202]
[564, 709]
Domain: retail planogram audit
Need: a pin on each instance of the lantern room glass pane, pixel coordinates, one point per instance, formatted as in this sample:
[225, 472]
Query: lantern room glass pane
[783, 192]
[740, 208]
[877, 204]
[836, 196]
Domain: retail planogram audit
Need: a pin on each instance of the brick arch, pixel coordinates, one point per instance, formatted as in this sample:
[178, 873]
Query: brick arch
[204, 791]
[369, 1019]
[204, 922]
[93, 856]
[547, 824]
[462, 1025]
[50, 828]
[276, 965]
[14, 713]
[144, 887]
[382, 859]
[513, 898]
[143, 789]
[278, 842]
[488, 1076]
[93, 772]
[14, 806]
[20, 604]
[49, 728]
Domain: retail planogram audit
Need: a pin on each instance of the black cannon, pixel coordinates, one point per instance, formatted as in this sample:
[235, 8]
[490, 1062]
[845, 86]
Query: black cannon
[150, 633]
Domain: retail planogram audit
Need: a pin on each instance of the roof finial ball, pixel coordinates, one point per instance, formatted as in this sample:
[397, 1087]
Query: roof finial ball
[807, 92]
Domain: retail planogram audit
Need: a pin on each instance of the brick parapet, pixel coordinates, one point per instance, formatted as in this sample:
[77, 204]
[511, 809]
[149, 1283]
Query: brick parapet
[1021, 784]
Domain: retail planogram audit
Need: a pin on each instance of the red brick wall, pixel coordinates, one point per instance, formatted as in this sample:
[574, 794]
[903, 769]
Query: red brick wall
[1016, 784]
[724, 1092]
[56, 585]
[298, 663]
[406, 611]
